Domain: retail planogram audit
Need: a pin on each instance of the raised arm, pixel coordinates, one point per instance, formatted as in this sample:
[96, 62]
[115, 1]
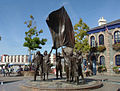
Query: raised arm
[50, 52]
[64, 54]
[33, 60]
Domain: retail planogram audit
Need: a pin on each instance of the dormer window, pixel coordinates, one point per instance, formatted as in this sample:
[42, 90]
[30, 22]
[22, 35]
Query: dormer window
[92, 39]
[117, 37]
[101, 39]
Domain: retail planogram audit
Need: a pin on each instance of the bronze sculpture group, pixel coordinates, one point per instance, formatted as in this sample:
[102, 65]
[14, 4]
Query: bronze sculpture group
[62, 33]
[72, 65]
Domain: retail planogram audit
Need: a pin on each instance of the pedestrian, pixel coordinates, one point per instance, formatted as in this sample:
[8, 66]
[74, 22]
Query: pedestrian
[3, 71]
[9, 71]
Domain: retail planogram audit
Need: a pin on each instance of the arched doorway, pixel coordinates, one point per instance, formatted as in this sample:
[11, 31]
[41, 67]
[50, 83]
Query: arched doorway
[102, 60]
[93, 62]
[117, 60]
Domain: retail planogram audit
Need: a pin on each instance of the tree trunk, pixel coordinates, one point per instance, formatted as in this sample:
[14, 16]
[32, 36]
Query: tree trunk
[29, 56]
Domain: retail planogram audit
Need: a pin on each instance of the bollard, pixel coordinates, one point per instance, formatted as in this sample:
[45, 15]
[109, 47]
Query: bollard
[2, 83]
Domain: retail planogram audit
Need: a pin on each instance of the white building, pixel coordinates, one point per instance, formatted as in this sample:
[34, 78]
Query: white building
[53, 59]
[15, 60]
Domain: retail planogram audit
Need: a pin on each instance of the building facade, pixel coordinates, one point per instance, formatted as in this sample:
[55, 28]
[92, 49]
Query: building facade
[105, 45]
[53, 59]
[14, 60]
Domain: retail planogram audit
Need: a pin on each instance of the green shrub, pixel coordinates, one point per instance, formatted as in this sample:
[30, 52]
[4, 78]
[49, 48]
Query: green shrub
[102, 68]
[116, 69]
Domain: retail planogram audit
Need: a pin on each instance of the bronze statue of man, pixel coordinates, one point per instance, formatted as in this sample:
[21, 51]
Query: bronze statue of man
[79, 67]
[69, 60]
[38, 64]
[73, 66]
[46, 63]
[58, 65]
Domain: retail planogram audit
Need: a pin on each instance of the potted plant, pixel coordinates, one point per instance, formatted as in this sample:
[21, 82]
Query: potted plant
[102, 68]
[116, 69]
[93, 49]
[101, 48]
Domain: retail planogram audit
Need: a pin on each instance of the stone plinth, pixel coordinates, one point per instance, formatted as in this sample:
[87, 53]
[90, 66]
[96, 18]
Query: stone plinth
[27, 73]
[59, 85]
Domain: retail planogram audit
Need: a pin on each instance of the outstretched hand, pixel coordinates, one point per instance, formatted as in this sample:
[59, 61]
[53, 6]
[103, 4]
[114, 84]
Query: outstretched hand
[53, 47]
[62, 49]
[51, 51]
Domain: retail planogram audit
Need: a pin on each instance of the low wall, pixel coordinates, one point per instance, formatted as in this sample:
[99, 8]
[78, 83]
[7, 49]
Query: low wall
[27, 73]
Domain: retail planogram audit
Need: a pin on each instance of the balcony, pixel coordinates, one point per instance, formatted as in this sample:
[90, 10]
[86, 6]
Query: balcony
[93, 49]
[116, 46]
[101, 48]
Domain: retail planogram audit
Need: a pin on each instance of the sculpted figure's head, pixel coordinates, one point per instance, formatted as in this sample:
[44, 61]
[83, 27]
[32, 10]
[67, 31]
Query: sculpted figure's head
[58, 54]
[45, 53]
[68, 51]
[38, 53]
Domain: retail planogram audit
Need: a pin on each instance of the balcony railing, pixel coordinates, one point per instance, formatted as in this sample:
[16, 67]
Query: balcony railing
[116, 46]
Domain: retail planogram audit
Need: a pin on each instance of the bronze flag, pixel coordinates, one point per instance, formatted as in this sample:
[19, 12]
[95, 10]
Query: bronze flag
[61, 28]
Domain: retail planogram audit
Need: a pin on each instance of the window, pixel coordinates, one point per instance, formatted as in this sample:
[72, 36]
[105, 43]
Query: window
[11, 58]
[117, 37]
[22, 58]
[5, 58]
[27, 58]
[8, 58]
[92, 41]
[101, 39]
[102, 60]
[18, 58]
[117, 60]
[15, 58]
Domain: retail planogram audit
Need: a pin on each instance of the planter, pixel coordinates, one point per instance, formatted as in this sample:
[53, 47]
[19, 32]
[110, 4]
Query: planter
[93, 49]
[101, 48]
[27, 73]
[116, 70]
[102, 68]
[116, 46]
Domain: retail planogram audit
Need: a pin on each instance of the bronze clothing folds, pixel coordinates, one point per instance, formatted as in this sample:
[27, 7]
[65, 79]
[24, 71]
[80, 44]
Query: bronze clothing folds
[61, 28]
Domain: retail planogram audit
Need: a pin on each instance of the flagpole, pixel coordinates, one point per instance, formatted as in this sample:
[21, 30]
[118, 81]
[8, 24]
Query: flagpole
[56, 52]
[56, 61]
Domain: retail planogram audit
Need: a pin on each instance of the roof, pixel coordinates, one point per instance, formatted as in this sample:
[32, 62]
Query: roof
[109, 25]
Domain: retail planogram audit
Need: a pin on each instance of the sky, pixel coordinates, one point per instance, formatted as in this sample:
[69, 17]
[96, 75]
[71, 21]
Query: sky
[13, 14]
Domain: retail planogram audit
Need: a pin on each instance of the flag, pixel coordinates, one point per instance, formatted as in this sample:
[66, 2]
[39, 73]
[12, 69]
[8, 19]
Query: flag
[108, 31]
[61, 28]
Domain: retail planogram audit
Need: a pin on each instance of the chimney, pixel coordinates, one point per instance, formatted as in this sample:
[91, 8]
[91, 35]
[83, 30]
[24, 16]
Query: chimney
[101, 21]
